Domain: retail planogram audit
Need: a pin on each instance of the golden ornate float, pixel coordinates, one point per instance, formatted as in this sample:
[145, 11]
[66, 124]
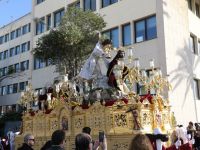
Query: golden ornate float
[121, 121]
[120, 118]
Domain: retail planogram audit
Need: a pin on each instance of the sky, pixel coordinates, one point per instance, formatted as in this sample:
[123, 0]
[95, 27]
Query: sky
[11, 10]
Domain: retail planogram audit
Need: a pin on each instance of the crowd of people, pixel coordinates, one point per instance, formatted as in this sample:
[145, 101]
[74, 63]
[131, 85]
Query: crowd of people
[181, 139]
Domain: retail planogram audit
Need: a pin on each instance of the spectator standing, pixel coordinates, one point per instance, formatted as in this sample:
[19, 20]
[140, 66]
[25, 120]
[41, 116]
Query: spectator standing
[197, 137]
[11, 139]
[29, 142]
[86, 130]
[1, 146]
[57, 140]
[140, 142]
[190, 130]
[83, 141]
[46, 146]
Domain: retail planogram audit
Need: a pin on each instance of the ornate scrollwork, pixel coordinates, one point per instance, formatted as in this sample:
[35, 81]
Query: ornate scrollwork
[28, 126]
[54, 125]
[78, 123]
[120, 120]
[146, 119]
[120, 146]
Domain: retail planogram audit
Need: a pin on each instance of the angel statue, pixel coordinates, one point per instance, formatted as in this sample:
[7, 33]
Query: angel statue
[96, 65]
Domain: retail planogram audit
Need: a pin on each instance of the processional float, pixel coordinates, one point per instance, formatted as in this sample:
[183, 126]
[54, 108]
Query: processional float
[119, 111]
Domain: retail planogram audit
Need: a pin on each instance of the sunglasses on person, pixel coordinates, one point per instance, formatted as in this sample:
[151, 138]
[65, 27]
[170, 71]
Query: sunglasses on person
[32, 139]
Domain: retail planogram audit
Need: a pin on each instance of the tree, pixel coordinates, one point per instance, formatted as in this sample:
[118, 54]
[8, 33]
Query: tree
[69, 44]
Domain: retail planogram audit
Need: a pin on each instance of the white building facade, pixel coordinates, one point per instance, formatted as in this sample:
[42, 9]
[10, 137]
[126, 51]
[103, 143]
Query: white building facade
[167, 31]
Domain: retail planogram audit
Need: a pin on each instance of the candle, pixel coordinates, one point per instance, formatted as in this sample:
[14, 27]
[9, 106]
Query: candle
[143, 73]
[66, 78]
[136, 63]
[152, 63]
[130, 53]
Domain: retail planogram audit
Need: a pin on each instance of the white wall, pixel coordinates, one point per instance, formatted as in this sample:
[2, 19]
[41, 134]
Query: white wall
[180, 59]
[25, 75]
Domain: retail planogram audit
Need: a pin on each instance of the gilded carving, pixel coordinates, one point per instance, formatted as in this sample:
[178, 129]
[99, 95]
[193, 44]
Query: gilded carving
[120, 120]
[120, 146]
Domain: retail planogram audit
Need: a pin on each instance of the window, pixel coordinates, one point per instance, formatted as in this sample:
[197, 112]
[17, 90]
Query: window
[151, 28]
[29, 27]
[145, 29]
[39, 1]
[11, 69]
[126, 34]
[113, 35]
[48, 22]
[18, 32]
[190, 4]
[199, 46]
[89, 5]
[16, 67]
[6, 39]
[1, 72]
[1, 39]
[24, 29]
[5, 71]
[108, 2]
[15, 88]
[197, 9]
[1, 55]
[4, 90]
[25, 47]
[40, 26]
[17, 49]
[57, 17]
[12, 51]
[5, 55]
[28, 45]
[193, 44]
[196, 88]
[24, 65]
[39, 63]
[12, 35]
[22, 85]
[10, 89]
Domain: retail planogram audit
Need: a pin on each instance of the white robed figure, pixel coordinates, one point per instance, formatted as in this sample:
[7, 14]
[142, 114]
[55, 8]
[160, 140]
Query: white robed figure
[96, 65]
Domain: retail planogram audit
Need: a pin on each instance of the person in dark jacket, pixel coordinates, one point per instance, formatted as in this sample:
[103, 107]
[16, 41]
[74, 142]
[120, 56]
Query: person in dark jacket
[57, 140]
[46, 146]
[29, 141]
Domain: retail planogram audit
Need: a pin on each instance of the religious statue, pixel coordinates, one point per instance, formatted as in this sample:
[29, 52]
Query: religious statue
[136, 122]
[96, 65]
[116, 73]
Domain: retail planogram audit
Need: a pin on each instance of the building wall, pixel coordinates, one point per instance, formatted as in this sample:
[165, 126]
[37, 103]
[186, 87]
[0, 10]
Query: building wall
[170, 50]
[10, 99]
[180, 60]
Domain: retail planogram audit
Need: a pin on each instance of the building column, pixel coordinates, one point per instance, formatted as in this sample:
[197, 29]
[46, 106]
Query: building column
[120, 36]
[3, 110]
[132, 32]
[193, 6]
[98, 5]
[17, 107]
[81, 4]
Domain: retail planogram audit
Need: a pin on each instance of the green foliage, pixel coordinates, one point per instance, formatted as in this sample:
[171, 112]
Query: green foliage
[69, 44]
[11, 70]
